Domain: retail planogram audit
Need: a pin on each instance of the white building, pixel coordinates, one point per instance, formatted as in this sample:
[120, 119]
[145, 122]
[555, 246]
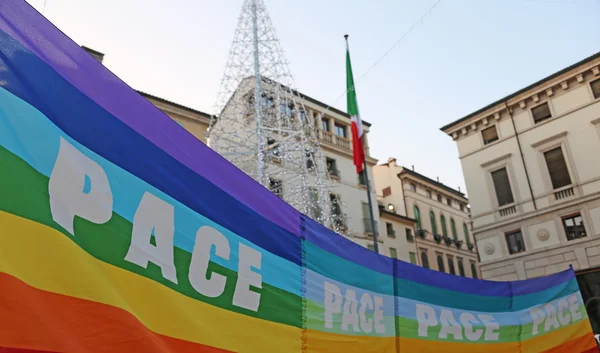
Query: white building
[443, 240]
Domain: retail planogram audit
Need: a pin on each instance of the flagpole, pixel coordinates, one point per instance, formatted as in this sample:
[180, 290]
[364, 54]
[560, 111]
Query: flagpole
[366, 173]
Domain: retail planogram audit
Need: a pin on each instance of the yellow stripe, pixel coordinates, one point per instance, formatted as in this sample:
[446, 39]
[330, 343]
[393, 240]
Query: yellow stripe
[46, 259]
[331, 343]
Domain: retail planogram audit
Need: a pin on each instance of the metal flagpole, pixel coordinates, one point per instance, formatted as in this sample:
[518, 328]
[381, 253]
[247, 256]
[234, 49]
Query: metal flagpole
[375, 245]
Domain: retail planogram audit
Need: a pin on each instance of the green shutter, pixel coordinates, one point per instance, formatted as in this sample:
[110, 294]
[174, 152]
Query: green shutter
[453, 228]
[433, 223]
[444, 229]
[417, 217]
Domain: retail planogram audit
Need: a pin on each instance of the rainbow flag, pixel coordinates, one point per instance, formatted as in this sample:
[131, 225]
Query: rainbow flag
[120, 232]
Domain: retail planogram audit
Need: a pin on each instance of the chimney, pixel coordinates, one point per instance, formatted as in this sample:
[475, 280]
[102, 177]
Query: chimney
[459, 189]
[413, 167]
[96, 54]
[438, 179]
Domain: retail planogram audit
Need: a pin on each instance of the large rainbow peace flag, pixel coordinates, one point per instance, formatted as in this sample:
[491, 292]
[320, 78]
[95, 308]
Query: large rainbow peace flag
[120, 232]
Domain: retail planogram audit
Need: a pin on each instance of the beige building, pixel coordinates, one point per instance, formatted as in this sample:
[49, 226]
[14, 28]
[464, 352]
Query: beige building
[396, 236]
[530, 166]
[442, 240]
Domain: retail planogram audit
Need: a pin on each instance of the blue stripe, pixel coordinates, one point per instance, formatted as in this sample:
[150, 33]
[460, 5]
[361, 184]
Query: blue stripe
[27, 133]
[35, 82]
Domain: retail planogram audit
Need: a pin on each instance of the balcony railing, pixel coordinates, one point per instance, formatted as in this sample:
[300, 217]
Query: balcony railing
[507, 211]
[339, 141]
[368, 226]
[564, 193]
[391, 233]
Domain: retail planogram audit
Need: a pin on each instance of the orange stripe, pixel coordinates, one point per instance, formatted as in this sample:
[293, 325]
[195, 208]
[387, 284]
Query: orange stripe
[33, 319]
[582, 344]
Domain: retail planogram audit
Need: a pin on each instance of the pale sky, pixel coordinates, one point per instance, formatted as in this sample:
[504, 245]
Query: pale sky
[465, 55]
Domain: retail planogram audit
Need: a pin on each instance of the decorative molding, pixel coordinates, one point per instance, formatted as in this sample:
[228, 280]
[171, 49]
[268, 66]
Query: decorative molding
[496, 160]
[522, 104]
[497, 115]
[489, 248]
[595, 121]
[455, 135]
[548, 139]
[464, 130]
[543, 234]
[579, 78]
[474, 126]
[536, 98]
[596, 70]
[550, 92]
[484, 121]
[564, 85]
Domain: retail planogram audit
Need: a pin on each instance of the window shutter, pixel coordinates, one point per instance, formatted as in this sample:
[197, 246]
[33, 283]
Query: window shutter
[502, 186]
[557, 167]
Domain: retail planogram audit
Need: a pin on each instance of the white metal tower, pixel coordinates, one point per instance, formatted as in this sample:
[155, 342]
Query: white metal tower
[272, 138]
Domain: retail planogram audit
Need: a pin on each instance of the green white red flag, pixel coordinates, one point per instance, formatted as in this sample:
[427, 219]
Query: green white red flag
[358, 151]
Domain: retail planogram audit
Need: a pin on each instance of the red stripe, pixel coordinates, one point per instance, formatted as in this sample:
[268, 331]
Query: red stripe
[18, 350]
[358, 150]
[38, 321]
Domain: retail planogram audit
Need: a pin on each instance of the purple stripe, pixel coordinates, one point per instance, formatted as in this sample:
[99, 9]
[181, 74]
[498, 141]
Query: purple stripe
[32, 30]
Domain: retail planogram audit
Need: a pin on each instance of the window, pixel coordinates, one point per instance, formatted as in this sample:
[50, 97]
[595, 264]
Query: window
[557, 168]
[303, 116]
[541, 113]
[362, 180]
[453, 229]
[368, 225]
[461, 268]
[276, 187]
[285, 108]
[413, 187]
[502, 186]
[449, 201]
[340, 130]
[332, 167]
[424, 259]
[489, 135]
[440, 261]
[515, 242]
[595, 88]
[466, 231]
[417, 216]
[413, 258]
[574, 226]
[433, 223]
[428, 194]
[474, 270]
[393, 253]
[310, 160]
[387, 191]
[336, 210]
[325, 124]
[444, 229]
[273, 148]
[461, 206]
[371, 247]
[439, 198]
[390, 229]
[315, 209]
[409, 235]
[451, 269]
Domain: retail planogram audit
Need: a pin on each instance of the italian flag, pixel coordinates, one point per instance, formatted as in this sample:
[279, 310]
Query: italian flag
[358, 150]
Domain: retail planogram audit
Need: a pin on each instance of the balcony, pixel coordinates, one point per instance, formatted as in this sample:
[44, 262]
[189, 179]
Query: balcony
[336, 140]
[564, 193]
[507, 211]
[368, 226]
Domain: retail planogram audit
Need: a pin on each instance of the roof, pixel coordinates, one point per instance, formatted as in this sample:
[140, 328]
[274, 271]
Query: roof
[92, 51]
[313, 100]
[436, 183]
[162, 100]
[538, 83]
[383, 211]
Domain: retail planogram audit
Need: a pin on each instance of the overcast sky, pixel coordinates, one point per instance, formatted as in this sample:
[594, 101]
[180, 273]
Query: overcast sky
[465, 55]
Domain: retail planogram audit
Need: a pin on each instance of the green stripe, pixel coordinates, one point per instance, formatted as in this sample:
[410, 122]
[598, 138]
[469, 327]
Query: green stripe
[25, 193]
[350, 88]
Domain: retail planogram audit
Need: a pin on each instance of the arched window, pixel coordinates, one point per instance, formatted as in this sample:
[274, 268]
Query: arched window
[453, 229]
[440, 262]
[474, 270]
[466, 230]
[417, 216]
[451, 269]
[424, 259]
[444, 229]
[433, 223]
[461, 268]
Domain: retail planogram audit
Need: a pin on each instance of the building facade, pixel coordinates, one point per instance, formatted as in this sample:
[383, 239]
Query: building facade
[396, 237]
[443, 239]
[529, 162]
